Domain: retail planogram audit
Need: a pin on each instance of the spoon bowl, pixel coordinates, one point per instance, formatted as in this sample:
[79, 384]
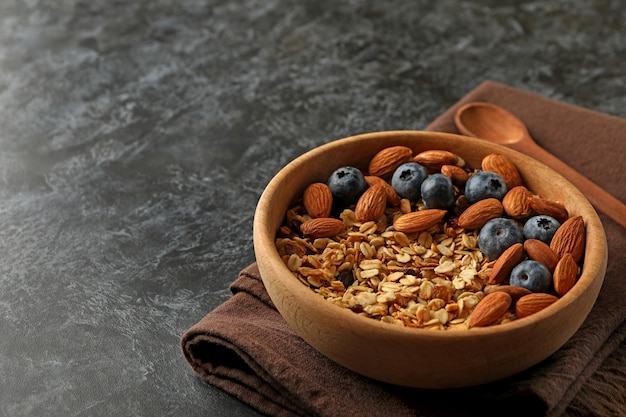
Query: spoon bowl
[491, 122]
[496, 124]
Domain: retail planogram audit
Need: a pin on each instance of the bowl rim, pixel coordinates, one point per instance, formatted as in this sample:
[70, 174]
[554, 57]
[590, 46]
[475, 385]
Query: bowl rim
[264, 240]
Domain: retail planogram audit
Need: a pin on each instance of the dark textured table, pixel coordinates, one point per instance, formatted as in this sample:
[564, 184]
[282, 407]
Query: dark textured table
[137, 136]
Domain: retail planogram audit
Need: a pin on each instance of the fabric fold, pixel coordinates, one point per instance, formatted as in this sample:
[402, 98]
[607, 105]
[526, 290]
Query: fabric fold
[245, 348]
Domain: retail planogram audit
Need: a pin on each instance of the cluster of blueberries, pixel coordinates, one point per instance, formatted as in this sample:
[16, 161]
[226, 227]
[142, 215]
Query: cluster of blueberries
[411, 181]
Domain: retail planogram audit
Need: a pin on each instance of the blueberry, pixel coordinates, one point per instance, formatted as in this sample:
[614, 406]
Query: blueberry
[347, 184]
[541, 228]
[437, 192]
[497, 235]
[407, 180]
[532, 275]
[484, 184]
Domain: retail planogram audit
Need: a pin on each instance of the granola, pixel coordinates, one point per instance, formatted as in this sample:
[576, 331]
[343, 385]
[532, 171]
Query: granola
[431, 279]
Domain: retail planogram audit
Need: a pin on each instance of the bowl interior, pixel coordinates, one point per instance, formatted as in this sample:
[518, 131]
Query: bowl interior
[414, 357]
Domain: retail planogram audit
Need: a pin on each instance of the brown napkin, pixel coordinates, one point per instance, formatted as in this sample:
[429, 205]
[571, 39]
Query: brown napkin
[245, 347]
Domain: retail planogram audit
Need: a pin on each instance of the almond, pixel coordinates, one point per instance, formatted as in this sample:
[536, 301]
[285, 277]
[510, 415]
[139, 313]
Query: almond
[540, 251]
[318, 200]
[385, 162]
[570, 238]
[506, 262]
[434, 159]
[393, 199]
[549, 207]
[457, 174]
[565, 274]
[479, 213]
[504, 167]
[516, 204]
[322, 227]
[371, 204]
[418, 221]
[532, 303]
[490, 309]
[513, 290]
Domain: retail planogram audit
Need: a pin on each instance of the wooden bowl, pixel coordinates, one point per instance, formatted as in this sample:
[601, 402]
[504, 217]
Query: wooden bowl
[416, 357]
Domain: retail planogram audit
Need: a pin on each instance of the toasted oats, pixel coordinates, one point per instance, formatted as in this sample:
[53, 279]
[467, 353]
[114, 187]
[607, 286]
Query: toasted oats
[367, 250]
[375, 281]
[425, 239]
[369, 273]
[431, 279]
[294, 262]
[436, 304]
[445, 250]
[378, 309]
[441, 315]
[368, 228]
[405, 206]
[394, 276]
[315, 281]
[426, 290]
[385, 297]
[371, 264]
[403, 257]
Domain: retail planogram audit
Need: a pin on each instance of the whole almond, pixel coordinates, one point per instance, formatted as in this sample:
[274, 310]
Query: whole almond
[434, 159]
[418, 221]
[479, 213]
[490, 309]
[393, 199]
[565, 274]
[385, 162]
[532, 303]
[516, 204]
[540, 251]
[570, 238]
[457, 174]
[371, 205]
[503, 266]
[322, 227]
[549, 207]
[503, 166]
[513, 290]
[318, 200]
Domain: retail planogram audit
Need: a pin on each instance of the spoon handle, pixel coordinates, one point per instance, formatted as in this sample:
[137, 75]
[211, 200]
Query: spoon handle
[597, 196]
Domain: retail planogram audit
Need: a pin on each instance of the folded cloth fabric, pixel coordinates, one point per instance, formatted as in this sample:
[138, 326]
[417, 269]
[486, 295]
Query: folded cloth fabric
[245, 347]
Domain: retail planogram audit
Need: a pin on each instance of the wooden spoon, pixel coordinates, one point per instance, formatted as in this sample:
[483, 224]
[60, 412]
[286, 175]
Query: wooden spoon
[493, 123]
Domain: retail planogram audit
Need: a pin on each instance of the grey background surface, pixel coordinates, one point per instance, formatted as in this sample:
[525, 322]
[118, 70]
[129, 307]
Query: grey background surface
[137, 136]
